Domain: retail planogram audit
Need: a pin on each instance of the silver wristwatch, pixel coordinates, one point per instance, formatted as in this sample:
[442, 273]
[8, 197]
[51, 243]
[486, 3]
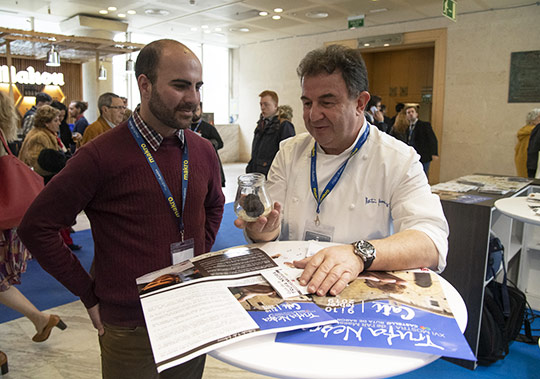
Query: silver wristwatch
[366, 252]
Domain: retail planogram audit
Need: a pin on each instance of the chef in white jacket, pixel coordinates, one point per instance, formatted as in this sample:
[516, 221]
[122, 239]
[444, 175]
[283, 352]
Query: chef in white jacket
[347, 182]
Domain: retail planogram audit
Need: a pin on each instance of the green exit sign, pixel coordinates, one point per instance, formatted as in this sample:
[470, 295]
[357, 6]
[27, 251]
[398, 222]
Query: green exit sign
[449, 9]
[355, 21]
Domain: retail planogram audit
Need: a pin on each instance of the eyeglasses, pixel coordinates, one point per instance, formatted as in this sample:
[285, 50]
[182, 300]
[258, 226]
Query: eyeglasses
[118, 107]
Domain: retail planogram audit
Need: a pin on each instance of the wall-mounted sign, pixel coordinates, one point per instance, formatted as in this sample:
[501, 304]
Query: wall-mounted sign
[355, 21]
[524, 86]
[449, 9]
[31, 76]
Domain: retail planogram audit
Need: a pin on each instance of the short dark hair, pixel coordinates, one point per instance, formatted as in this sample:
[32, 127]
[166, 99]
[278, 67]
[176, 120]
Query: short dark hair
[43, 97]
[81, 105]
[61, 107]
[105, 100]
[148, 58]
[337, 58]
[399, 107]
[272, 94]
[373, 100]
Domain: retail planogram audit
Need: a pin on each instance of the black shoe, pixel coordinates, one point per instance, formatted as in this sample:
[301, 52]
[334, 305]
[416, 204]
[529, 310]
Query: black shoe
[75, 247]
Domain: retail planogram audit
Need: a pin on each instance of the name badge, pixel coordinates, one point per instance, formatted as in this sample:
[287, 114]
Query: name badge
[314, 231]
[182, 251]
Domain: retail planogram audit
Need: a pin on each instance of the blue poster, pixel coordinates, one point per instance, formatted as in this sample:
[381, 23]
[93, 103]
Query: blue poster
[402, 310]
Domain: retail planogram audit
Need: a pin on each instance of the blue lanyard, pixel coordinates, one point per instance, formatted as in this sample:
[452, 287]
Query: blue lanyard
[157, 173]
[332, 183]
[198, 126]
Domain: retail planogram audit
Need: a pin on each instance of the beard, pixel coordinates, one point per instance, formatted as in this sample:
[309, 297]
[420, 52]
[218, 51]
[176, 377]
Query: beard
[167, 115]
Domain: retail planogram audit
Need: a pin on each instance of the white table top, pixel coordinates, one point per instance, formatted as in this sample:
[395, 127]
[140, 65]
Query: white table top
[264, 356]
[517, 208]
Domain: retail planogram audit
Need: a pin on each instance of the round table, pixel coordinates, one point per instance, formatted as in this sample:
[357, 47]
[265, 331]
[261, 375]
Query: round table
[518, 208]
[264, 356]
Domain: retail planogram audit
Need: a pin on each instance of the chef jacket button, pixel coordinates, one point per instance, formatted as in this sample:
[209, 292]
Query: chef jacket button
[352, 206]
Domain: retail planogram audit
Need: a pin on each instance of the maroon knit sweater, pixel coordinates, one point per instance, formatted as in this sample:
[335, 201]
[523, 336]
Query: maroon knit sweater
[132, 223]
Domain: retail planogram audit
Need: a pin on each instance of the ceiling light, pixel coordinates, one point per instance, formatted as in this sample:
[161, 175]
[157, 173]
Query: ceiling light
[366, 44]
[156, 12]
[317, 14]
[130, 65]
[263, 13]
[217, 29]
[386, 45]
[207, 31]
[53, 58]
[278, 10]
[112, 9]
[193, 29]
[243, 30]
[276, 17]
[204, 26]
[131, 11]
[378, 10]
[121, 15]
[102, 73]
[104, 11]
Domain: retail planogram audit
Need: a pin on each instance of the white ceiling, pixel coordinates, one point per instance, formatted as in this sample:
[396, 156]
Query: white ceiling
[225, 18]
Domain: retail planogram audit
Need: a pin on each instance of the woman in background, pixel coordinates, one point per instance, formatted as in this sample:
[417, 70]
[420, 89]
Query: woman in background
[523, 137]
[65, 132]
[13, 254]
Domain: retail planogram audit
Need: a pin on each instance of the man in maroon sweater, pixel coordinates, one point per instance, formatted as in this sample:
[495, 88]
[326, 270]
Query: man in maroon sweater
[134, 221]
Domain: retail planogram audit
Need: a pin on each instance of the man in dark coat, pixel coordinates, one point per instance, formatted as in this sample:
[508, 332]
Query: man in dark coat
[208, 131]
[420, 135]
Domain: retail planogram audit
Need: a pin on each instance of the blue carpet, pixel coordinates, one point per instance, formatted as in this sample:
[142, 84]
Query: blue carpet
[45, 292]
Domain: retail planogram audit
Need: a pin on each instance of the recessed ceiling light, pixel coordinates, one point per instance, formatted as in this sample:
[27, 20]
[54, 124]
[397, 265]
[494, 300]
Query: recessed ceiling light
[131, 11]
[378, 10]
[276, 17]
[204, 26]
[366, 44]
[207, 31]
[121, 15]
[317, 14]
[104, 11]
[244, 30]
[386, 44]
[193, 29]
[263, 13]
[112, 9]
[278, 10]
[156, 12]
[217, 29]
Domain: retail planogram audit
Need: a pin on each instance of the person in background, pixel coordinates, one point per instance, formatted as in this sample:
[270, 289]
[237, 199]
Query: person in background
[44, 135]
[111, 113]
[523, 137]
[268, 134]
[127, 112]
[420, 135]
[401, 126]
[374, 189]
[138, 219]
[28, 119]
[208, 131]
[374, 115]
[387, 120]
[398, 108]
[13, 254]
[76, 110]
[65, 132]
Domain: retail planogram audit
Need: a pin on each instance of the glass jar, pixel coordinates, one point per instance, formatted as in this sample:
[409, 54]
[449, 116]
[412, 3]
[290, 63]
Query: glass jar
[252, 200]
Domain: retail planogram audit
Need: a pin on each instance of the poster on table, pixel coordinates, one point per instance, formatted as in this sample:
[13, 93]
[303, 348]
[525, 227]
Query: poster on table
[405, 310]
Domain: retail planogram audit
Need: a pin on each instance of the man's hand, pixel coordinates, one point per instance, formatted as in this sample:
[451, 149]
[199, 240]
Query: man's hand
[265, 228]
[96, 319]
[331, 269]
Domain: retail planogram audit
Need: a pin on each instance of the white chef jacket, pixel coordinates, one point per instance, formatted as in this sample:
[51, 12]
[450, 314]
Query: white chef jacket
[383, 189]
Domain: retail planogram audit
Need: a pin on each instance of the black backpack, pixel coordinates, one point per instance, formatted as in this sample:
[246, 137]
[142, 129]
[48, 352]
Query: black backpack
[503, 315]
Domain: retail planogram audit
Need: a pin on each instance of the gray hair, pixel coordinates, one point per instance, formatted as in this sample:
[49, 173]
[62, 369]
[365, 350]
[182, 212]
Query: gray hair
[337, 58]
[533, 115]
[105, 100]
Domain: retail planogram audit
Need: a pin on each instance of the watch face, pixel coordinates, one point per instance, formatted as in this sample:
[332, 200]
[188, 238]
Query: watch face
[366, 249]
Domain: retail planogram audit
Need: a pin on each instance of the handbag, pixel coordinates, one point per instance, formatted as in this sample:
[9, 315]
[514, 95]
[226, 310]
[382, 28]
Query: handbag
[19, 186]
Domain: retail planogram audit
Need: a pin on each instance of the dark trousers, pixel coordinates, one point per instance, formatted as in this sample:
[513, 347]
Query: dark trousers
[126, 353]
